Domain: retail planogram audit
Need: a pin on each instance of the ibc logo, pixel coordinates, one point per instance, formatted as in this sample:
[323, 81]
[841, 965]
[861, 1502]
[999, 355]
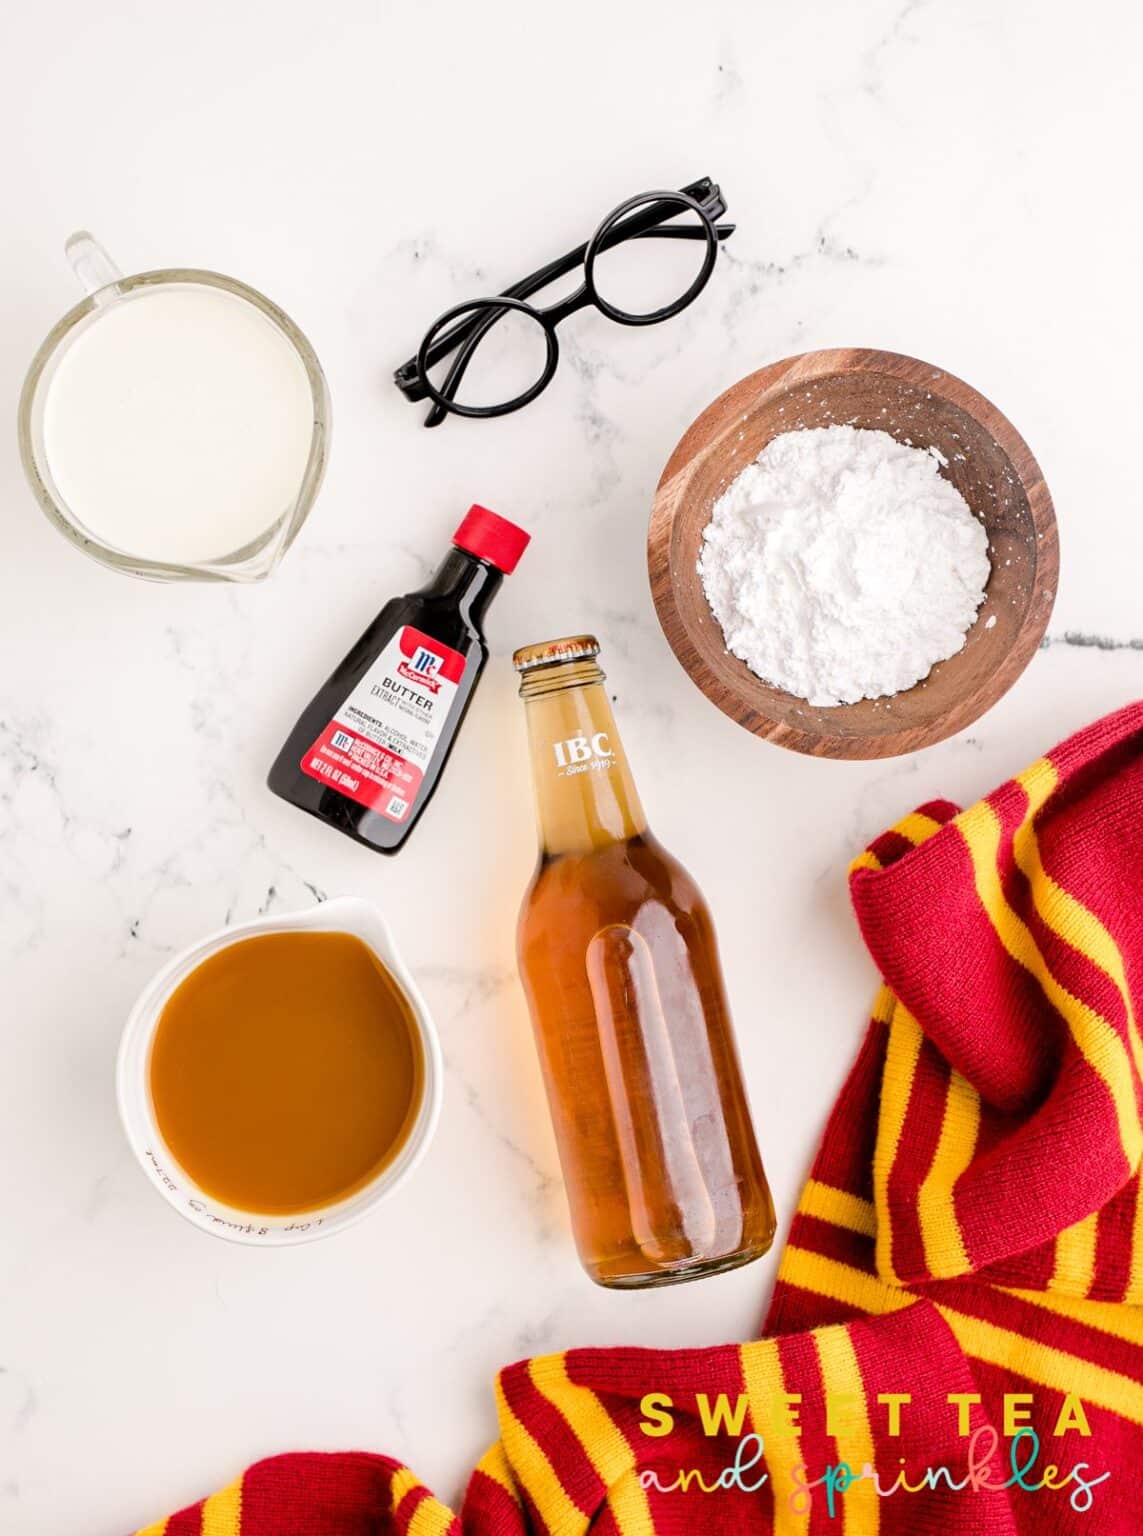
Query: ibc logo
[582, 749]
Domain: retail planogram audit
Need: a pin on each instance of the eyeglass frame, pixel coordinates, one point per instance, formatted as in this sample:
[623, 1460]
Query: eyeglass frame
[702, 197]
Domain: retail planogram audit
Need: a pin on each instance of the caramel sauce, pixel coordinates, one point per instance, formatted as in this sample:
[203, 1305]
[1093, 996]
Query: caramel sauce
[286, 1071]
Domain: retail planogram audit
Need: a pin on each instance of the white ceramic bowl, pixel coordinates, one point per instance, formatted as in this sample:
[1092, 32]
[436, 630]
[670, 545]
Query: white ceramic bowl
[136, 1110]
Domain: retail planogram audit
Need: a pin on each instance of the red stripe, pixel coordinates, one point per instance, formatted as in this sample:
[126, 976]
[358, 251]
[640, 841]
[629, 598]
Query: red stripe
[1031, 1269]
[188, 1522]
[302, 1494]
[1114, 1245]
[626, 1374]
[889, 847]
[490, 1507]
[834, 1242]
[1107, 751]
[920, 1133]
[939, 810]
[844, 1159]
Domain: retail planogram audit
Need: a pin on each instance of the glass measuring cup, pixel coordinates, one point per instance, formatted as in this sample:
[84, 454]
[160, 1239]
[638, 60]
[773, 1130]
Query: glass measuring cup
[106, 290]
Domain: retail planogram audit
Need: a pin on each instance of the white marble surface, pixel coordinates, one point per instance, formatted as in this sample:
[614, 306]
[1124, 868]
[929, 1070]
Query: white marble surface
[952, 178]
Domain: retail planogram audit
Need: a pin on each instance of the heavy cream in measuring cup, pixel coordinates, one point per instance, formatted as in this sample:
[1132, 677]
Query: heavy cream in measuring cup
[178, 423]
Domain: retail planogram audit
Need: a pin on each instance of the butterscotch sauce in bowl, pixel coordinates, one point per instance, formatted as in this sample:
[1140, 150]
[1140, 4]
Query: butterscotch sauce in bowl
[280, 1078]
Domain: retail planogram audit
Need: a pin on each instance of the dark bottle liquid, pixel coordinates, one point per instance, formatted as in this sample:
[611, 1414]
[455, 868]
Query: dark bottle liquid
[368, 750]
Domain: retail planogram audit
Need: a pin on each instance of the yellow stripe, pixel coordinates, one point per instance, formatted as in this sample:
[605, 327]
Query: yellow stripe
[916, 827]
[841, 1377]
[1045, 1366]
[431, 1518]
[1110, 1317]
[494, 1465]
[838, 1207]
[158, 1529]
[943, 1241]
[883, 1005]
[764, 1380]
[1075, 1257]
[896, 1086]
[403, 1482]
[536, 1473]
[222, 1512]
[841, 1282]
[603, 1442]
[1096, 1039]
[866, 860]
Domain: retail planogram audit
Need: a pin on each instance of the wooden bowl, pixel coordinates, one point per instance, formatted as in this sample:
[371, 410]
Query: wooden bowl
[988, 462]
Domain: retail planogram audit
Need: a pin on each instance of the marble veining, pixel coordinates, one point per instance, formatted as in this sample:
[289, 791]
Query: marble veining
[1093, 642]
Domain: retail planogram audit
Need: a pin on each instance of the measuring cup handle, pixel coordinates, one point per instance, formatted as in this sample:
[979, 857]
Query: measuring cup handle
[90, 262]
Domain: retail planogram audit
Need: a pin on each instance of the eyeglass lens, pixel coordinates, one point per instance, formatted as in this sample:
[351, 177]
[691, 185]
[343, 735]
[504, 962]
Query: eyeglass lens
[508, 357]
[649, 277]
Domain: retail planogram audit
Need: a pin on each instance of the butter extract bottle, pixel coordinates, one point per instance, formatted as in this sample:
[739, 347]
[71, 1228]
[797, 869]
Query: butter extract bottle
[368, 750]
[620, 965]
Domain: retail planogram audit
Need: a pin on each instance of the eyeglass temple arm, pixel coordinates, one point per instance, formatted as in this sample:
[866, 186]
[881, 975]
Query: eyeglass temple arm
[635, 226]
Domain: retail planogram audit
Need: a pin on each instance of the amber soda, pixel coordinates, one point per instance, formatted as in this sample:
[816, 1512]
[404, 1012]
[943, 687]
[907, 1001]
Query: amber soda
[620, 964]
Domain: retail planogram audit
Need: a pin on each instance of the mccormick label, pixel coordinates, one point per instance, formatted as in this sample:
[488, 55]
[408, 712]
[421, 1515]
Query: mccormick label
[376, 748]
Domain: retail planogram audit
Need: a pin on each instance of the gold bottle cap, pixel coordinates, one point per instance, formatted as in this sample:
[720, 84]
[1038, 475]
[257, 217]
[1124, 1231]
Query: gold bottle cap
[571, 648]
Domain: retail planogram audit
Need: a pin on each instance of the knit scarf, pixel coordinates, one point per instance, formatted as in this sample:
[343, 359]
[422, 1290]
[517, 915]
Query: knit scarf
[955, 1342]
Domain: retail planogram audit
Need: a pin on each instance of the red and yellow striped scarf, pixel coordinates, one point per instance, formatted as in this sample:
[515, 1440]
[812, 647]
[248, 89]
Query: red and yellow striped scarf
[973, 1227]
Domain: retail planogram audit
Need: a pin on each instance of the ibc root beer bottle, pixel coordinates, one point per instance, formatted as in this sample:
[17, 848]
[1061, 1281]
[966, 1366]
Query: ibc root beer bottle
[368, 749]
[620, 965]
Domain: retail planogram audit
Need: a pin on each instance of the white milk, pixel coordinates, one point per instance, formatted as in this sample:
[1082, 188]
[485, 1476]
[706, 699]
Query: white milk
[177, 424]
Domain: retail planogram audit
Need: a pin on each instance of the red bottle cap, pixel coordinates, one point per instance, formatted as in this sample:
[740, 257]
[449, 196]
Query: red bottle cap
[489, 537]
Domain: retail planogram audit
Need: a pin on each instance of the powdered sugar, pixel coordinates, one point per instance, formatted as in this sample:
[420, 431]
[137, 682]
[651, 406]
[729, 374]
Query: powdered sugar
[841, 565]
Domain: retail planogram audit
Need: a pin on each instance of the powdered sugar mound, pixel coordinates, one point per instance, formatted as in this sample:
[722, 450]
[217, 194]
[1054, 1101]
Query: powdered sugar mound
[841, 565]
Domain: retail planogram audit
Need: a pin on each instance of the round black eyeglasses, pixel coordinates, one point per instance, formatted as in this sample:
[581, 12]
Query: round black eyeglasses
[459, 332]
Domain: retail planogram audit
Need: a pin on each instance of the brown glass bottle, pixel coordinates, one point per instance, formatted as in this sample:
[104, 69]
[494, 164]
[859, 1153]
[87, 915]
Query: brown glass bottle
[620, 965]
